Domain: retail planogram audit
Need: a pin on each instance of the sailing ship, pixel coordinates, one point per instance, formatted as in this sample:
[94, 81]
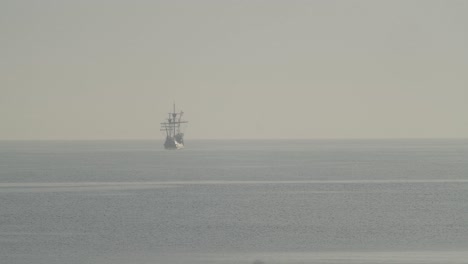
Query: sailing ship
[174, 134]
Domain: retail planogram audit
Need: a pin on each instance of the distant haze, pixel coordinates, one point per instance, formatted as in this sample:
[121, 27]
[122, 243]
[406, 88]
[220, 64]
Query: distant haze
[108, 69]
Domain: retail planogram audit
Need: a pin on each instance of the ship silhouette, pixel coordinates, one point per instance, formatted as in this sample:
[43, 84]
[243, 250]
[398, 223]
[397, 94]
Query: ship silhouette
[172, 127]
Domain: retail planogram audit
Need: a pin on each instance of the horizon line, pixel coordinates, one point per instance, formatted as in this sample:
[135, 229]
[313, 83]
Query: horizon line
[248, 139]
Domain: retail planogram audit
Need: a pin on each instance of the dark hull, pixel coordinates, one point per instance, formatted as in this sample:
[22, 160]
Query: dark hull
[172, 143]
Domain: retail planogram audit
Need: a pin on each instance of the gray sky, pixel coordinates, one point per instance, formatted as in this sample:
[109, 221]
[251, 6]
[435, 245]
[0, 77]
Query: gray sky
[108, 69]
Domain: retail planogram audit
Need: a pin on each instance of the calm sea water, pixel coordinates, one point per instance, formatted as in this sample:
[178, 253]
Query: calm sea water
[324, 201]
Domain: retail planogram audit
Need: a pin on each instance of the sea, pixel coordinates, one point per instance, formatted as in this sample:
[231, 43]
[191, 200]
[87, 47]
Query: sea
[388, 201]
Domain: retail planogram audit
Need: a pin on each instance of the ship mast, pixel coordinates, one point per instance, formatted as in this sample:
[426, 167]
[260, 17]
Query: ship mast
[174, 115]
[172, 125]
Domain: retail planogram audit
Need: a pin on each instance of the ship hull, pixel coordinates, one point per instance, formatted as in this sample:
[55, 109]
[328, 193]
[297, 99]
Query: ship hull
[172, 143]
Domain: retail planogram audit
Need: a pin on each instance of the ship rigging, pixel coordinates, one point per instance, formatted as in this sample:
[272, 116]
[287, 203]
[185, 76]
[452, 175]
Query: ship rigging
[174, 133]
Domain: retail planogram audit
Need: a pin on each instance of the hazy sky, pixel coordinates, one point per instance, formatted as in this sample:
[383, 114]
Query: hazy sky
[108, 69]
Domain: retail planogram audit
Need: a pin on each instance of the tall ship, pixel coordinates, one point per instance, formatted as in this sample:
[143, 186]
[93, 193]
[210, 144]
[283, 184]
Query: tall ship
[173, 128]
